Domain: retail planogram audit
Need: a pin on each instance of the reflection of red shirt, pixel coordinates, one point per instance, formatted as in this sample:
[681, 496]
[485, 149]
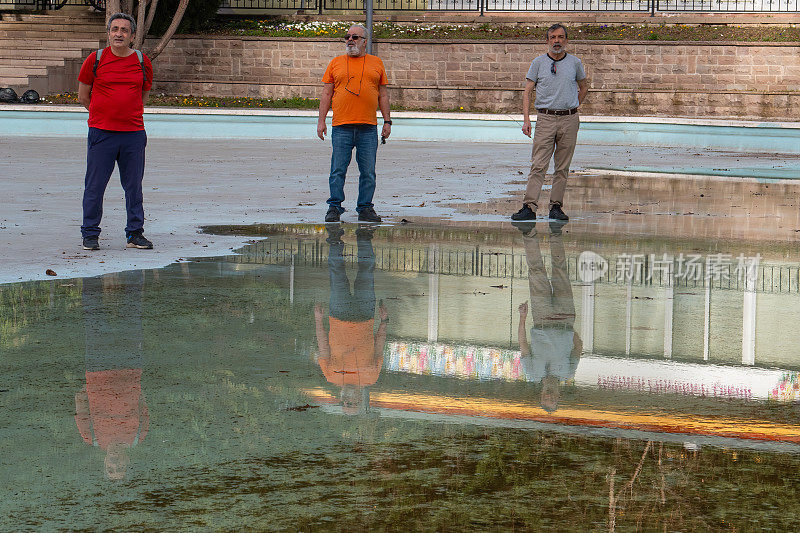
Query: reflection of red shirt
[116, 100]
[117, 412]
[352, 360]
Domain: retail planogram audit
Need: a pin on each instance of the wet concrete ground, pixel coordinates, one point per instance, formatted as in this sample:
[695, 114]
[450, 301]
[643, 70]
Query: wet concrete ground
[501, 388]
[189, 184]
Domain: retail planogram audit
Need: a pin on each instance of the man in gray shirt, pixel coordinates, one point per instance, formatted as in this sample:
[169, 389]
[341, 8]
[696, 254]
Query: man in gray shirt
[561, 85]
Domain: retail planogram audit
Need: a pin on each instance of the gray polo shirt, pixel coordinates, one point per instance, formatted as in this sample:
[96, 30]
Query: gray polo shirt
[559, 90]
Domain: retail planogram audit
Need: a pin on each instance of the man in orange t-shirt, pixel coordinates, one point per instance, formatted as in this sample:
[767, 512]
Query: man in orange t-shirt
[351, 353]
[355, 86]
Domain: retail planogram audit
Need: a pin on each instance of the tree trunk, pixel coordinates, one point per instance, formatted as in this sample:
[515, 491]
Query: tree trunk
[173, 27]
[112, 7]
[141, 31]
[149, 21]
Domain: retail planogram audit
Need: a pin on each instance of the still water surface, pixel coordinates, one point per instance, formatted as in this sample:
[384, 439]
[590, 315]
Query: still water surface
[401, 378]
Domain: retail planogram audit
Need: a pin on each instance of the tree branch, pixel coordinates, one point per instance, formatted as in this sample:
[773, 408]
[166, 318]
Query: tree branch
[173, 27]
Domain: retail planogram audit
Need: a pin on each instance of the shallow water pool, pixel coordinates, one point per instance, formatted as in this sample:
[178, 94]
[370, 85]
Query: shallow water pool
[415, 377]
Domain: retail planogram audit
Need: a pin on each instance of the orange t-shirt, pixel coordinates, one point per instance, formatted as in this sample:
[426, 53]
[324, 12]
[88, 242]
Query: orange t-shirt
[353, 360]
[356, 82]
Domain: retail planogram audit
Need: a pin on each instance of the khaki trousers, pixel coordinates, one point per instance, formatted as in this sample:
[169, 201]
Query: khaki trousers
[555, 137]
[551, 298]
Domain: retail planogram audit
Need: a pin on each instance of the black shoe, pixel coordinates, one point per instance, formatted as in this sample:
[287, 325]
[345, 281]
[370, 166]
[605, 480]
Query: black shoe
[137, 240]
[528, 229]
[557, 214]
[365, 232]
[335, 233]
[556, 226]
[368, 214]
[333, 215]
[91, 243]
[526, 213]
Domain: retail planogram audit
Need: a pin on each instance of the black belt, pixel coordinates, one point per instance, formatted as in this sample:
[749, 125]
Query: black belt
[559, 112]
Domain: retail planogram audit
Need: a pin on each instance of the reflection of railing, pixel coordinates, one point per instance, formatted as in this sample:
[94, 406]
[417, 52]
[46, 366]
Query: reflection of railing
[651, 6]
[503, 264]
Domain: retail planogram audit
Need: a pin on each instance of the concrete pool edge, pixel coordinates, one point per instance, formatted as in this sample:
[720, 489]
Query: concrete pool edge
[496, 117]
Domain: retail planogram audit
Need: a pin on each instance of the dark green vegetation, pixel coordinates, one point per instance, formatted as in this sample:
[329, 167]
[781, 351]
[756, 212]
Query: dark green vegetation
[162, 100]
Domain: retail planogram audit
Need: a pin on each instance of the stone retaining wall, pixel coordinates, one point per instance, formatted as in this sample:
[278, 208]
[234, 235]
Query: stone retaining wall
[627, 78]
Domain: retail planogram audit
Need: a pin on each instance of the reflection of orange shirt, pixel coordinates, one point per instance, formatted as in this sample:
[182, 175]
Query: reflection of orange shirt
[115, 413]
[355, 96]
[353, 360]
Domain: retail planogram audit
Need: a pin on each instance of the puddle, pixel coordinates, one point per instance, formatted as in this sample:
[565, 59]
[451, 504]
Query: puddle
[410, 377]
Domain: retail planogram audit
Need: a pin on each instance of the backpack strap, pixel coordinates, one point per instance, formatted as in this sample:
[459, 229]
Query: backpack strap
[141, 64]
[97, 61]
[139, 56]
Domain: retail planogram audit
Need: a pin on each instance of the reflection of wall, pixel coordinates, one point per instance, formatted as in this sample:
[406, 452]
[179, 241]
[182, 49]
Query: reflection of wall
[689, 321]
[636, 321]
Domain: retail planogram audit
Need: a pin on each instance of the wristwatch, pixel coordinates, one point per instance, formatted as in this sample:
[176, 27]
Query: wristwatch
[389, 122]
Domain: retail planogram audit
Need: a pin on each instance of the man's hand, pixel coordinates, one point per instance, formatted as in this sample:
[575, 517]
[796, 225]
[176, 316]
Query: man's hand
[523, 309]
[318, 310]
[386, 131]
[382, 311]
[322, 129]
[526, 127]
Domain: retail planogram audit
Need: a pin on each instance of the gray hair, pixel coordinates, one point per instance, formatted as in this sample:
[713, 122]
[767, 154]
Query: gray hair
[553, 28]
[366, 31]
[125, 16]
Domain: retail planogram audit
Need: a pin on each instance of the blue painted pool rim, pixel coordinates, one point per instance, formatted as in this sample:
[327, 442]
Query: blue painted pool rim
[193, 123]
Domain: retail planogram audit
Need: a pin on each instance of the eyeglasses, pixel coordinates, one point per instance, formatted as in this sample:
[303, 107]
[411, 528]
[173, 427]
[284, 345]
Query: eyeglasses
[553, 67]
[352, 36]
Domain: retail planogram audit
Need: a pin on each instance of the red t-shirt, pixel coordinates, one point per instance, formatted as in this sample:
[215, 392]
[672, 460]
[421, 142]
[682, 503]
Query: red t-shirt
[117, 411]
[116, 101]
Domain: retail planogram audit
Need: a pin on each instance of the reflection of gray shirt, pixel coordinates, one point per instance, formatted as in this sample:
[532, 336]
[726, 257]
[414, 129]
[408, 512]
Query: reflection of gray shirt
[551, 355]
[559, 90]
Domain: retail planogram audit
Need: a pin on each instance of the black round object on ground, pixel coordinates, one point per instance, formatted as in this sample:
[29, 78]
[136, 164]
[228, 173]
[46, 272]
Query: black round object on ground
[8, 95]
[29, 97]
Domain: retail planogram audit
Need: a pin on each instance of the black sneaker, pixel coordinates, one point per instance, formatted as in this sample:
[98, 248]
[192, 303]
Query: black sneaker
[137, 240]
[365, 232]
[368, 214]
[335, 233]
[528, 229]
[91, 243]
[526, 213]
[332, 215]
[557, 214]
[556, 226]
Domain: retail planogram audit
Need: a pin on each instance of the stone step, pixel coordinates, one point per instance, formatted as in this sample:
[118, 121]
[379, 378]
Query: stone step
[27, 55]
[47, 44]
[77, 24]
[49, 35]
[62, 17]
[17, 72]
[6, 62]
[15, 83]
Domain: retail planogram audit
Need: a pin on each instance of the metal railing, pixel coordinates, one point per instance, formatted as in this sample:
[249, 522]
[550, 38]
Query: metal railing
[495, 263]
[482, 6]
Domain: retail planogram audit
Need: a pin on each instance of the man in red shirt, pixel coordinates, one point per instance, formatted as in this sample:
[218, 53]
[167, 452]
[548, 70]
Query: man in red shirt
[114, 89]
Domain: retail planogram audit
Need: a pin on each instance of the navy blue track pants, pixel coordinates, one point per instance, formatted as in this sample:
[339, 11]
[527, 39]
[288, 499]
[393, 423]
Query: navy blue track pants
[104, 150]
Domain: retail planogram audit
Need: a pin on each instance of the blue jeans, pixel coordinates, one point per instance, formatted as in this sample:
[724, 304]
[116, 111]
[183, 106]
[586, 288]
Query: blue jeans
[106, 149]
[364, 138]
[357, 305]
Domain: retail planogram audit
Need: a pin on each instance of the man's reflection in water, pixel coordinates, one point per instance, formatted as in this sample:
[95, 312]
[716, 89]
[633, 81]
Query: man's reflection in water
[351, 353]
[551, 357]
[111, 412]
